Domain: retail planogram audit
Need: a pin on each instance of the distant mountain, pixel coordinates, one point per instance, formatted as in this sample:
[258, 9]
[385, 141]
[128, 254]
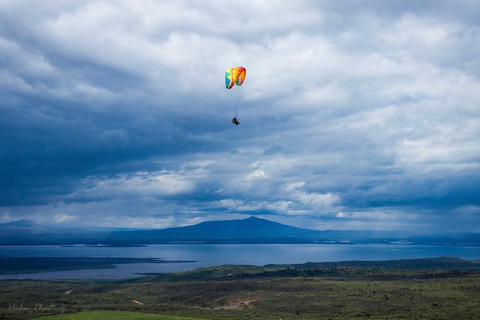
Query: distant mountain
[23, 232]
[256, 230]
[244, 231]
[251, 230]
[19, 224]
[24, 225]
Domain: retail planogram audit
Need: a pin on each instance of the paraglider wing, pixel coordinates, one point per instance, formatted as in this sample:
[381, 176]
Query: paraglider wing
[235, 76]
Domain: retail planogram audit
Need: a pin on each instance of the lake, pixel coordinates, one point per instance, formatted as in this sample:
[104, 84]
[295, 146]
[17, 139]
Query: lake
[217, 254]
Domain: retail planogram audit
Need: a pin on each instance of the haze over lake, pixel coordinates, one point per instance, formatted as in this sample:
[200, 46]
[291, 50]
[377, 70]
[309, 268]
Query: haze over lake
[217, 254]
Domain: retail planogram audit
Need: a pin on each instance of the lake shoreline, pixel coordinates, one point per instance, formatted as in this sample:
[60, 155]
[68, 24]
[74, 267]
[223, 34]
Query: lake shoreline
[30, 265]
[85, 262]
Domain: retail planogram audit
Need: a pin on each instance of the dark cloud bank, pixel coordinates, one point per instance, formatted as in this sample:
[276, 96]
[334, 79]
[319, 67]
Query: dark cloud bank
[353, 116]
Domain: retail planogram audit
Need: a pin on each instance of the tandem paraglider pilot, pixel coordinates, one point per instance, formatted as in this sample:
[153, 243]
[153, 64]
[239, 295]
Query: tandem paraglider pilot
[234, 120]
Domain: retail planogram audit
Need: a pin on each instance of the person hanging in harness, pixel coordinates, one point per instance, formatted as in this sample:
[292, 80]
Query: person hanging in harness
[235, 77]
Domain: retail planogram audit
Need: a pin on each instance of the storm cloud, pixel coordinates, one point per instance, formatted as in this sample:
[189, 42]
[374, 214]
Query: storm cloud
[353, 115]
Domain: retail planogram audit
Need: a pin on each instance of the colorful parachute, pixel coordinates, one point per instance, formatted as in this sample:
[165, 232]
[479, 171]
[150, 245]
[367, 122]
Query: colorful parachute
[235, 76]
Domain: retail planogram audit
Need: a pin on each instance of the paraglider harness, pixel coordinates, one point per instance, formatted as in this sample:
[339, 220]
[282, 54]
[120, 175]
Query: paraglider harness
[235, 121]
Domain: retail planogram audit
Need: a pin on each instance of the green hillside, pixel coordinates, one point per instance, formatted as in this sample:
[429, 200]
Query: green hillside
[306, 292]
[109, 315]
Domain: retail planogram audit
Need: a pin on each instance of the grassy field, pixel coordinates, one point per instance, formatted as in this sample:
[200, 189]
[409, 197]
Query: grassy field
[267, 293]
[110, 315]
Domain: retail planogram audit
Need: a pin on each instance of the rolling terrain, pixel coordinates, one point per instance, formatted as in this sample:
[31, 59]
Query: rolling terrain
[443, 288]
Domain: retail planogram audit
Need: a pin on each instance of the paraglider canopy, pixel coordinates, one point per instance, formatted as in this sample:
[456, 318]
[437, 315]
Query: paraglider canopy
[235, 76]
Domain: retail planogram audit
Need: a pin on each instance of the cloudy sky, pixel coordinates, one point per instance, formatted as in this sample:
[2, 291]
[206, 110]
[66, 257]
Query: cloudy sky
[354, 114]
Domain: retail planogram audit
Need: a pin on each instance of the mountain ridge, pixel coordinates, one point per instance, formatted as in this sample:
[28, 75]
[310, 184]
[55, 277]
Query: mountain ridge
[249, 230]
